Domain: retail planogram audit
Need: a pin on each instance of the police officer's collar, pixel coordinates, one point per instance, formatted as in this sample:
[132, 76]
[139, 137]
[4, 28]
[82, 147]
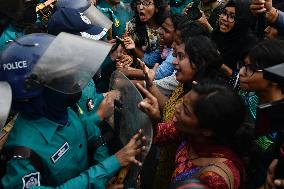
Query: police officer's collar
[47, 128]
[104, 4]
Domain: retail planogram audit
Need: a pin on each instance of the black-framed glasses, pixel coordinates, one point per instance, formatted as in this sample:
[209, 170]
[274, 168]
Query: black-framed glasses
[144, 3]
[250, 69]
[230, 16]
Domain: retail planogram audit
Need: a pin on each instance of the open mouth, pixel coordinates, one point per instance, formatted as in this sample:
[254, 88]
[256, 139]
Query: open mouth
[142, 16]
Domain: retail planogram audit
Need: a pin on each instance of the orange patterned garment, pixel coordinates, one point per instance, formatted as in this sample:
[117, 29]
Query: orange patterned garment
[185, 169]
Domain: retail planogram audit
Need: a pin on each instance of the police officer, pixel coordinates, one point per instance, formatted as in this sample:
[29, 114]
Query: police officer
[92, 106]
[48, 145]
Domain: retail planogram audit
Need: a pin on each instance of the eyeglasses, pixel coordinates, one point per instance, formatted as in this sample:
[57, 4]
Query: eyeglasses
[250, 69]
[230, 17]
[144, 3]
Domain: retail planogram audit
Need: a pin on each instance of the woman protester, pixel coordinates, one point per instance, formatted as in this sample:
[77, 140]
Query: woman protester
[233, 36]
[197, 58]
[266, 54]
[144, 29]
[209, 125]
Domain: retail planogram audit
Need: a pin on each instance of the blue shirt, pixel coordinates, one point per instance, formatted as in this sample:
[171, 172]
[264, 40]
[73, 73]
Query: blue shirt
[166, 68]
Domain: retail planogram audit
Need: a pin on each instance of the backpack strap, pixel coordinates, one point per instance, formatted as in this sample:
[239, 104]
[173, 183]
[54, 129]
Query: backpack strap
[221, 169]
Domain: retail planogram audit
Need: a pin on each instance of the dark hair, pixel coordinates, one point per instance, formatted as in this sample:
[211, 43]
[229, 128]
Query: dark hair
[218, 108]
[204, 55]
[267, 53]
[190, 28]
[141, 27]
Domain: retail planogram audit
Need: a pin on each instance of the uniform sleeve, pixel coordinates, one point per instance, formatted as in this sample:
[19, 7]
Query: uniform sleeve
[21, 174]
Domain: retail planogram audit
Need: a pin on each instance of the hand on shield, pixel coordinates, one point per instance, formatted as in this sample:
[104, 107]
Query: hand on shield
[150, 104]
[149, 73]
[106, 107]
[135, 146]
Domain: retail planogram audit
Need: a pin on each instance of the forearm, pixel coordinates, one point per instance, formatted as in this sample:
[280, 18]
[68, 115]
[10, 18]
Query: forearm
[134, 73]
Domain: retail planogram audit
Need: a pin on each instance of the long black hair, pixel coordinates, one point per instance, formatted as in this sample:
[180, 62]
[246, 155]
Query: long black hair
[204, 55]
[220, 109]
[140, 27]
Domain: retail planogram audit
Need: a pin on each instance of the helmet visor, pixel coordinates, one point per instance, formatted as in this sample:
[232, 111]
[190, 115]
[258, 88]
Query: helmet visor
[70, 62]
[97, 17]
[5, 102]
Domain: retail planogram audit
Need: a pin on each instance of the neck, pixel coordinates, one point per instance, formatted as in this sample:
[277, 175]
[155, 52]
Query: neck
[151, 23]
[272, 94]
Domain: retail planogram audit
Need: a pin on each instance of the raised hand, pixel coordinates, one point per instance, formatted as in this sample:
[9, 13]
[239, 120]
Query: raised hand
[260, 6]
[149, 105]
[149, 73]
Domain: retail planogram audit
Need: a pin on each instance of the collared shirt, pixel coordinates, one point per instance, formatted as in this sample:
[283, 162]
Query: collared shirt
[119, 15]
[63, 153]
[10, 33]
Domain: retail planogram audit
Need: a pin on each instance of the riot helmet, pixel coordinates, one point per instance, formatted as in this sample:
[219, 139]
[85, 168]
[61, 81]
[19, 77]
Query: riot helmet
[18, 60]
[88, 9]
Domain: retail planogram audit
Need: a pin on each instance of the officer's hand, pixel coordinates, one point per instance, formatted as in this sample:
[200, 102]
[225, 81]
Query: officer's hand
[135, 146]
[124, 61]
[260, 6]
[270, 182]
[106, 107]
[149, 105]
[129, 43]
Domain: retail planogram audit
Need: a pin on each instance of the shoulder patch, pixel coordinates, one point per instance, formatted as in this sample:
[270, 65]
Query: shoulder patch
[31, 180]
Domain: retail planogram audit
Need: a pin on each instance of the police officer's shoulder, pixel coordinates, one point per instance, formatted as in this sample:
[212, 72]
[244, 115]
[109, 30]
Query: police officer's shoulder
[25, 133]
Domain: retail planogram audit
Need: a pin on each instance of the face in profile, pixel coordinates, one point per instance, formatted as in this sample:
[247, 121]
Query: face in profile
[227, 19]
[251, 78]
[167, 32]
[185, 71]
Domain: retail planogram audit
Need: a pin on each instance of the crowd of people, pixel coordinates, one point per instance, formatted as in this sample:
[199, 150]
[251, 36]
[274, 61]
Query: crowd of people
[199, 65]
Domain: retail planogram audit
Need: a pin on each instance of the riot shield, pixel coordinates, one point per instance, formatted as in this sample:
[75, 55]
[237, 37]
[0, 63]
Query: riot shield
[89, 10]
[69, 63]
[128, 119]
[5, 102]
